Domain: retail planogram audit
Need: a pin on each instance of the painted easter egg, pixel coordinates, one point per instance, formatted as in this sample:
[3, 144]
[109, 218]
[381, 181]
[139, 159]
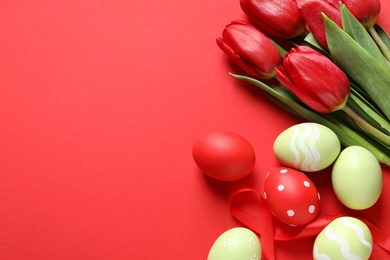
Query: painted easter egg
[236, 244]
[343, 238]
[307, 147]
[224, 155]
[291, 196]
[357, 178]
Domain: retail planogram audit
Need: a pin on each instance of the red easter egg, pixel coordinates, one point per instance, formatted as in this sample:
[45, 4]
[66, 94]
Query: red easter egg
[224, 155]
[291, 196]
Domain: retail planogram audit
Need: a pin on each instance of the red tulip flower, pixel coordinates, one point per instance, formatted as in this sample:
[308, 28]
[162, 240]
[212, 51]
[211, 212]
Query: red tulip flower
[277, 18]
[312, 14]
[314, 79]
[252, 50]
[366, 11]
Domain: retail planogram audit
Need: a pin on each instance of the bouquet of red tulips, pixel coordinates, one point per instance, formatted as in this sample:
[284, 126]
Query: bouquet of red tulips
[333, 68]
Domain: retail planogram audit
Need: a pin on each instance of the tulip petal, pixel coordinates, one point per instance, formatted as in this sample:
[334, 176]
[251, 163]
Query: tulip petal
[365, 11]
[277, 18]
[312, 14]
[314, 79]
[236, 58]
[249, 48]
[314, 104]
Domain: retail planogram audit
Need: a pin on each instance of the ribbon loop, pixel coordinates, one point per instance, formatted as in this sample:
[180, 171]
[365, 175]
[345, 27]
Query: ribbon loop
[249, 207]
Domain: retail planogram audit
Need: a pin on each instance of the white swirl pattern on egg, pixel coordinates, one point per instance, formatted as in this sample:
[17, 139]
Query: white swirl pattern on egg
[343, 243]
[292, 145]
[344, 238]
[298, 144]
[319, 256]
[359, 233]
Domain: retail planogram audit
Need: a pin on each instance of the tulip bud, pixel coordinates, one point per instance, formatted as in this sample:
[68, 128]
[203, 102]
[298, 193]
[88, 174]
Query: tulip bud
[312, 14]
[366, 11]
[277, 18]
[314, 79]
[252, 50]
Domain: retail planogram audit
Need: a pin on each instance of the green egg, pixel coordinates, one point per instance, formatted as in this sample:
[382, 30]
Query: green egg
[236, 244]
[344, 238]
[357, 178]
[307, 147]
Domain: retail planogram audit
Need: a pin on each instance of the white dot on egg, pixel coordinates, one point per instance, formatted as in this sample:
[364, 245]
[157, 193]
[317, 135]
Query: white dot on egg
[319, 197]
[290, 213]
[267, 175]
[265, 195]
[312, 208]
[283, 171]
[280, 187]
[249, 241]
[306, 183]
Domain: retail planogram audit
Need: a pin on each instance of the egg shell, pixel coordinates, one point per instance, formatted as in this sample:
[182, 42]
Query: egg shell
[291, 196]
[224, 155]
[236, 244]
[357, 178]
[307, 147]
[343, 238]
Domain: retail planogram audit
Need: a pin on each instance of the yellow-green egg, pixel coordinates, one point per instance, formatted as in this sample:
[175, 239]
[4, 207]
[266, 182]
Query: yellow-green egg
[307, 147]
[236, 244]
[357, 178]
[344, 238]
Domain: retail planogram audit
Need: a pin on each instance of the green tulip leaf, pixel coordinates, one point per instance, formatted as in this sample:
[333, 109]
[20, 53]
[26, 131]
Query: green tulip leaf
[359, 33]
[360, 65]
[313, 42]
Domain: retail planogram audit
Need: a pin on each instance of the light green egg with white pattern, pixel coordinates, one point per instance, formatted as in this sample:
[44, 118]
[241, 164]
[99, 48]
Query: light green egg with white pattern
[236, 244]
[308, 147]
[345, 238]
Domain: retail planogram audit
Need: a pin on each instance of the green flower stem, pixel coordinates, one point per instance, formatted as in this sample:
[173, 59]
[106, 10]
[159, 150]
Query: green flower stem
[368, 112]
[380, 136]
[382, 46]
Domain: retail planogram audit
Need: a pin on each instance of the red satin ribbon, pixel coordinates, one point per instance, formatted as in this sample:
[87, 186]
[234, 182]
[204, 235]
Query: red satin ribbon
[250, 208]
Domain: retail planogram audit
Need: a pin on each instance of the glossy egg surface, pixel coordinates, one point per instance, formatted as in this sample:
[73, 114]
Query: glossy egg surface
[291, 196]
[224, 155]
[357, 178]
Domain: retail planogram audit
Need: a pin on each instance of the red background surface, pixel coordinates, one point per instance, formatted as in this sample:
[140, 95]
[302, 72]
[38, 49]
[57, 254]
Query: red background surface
[100, 103]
